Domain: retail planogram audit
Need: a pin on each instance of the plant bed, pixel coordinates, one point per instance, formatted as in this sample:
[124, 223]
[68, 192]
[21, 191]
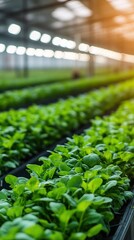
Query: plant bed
[36, 78]
[25, 133]
[78, 189]
[21, 171]
[26, 97]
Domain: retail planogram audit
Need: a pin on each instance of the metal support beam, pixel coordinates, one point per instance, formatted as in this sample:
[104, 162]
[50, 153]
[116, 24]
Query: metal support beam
[25, 40]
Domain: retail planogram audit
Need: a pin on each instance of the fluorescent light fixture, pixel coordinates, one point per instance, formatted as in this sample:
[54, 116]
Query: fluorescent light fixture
[59, 54]
[79, 8]
[30, 51]
[39, 52]
[14, 29]
[35, 35]
[48, 53]
[11, 49]
[71, 44]
[56, 41]
[128, 58]
[63, 14]
[46, 38]
[20, 50]
[84, 47]
[2, 47]
[105, 53]
[120, 19]
[121, 5]
[63, 42]
[71, 56]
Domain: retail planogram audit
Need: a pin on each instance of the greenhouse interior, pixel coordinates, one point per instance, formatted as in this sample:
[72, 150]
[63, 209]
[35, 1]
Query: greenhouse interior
[67, 120]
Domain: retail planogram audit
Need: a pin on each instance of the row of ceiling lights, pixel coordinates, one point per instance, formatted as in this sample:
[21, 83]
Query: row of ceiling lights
[44, 38]
[48, 53]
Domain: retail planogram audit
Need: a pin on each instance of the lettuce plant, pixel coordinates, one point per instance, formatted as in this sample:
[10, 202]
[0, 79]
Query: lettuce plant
[76, 191]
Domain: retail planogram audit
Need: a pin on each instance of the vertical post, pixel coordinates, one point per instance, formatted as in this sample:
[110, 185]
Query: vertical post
[91, 68]
[25, 40]
[78, 41]
[91, 65]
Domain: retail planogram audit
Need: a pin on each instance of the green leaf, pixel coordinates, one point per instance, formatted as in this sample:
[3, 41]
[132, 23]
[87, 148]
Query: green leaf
[78, 236]
[35, 168]
[14, 212]
[91, 159]
[94, 230]
[65, 216]
[19, 189]
[32, 184]
[23, 236]
[63, 167]
[109, 185]
[3, 196]
[12, 180]
[36, 231]
[70, 200]
[10, 164]
[94, 184]
[75, 181]
[85, 201]
[57, 208]
[53, 235]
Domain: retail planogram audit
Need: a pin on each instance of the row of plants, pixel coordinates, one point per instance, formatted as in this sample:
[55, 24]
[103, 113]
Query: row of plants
[78, 190]
[44, 93]
[26, 132]
[9, 80]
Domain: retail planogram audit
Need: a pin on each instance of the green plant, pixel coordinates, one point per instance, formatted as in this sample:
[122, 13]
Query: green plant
[38, 94]
[26, 132]
[68, 197]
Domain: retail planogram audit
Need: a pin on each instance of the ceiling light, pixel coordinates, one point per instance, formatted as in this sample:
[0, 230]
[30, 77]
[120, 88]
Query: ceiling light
[20, 50]
[71, 44]
[63, 42]
[105, 53]
[11, 49]
[30, 51]
[70, 56]
[128, 58]
[84, 47]
[35, 35]
[2, 47]
[45, 38]
[39, 52]
[48, 53]
[63, 14]
[121, 5]
[14, 29]
[59, 54]
[56, 41]
[79, 8]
